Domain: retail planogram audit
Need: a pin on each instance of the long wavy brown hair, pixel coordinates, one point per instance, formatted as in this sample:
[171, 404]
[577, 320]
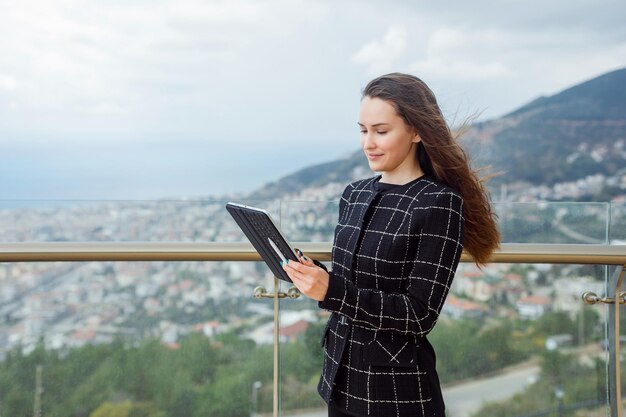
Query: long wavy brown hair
[441, 157]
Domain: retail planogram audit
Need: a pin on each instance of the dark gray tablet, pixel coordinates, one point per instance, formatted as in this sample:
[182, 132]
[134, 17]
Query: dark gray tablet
[265, 236]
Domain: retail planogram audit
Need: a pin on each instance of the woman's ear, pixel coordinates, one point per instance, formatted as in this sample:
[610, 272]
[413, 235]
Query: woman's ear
[416, 138]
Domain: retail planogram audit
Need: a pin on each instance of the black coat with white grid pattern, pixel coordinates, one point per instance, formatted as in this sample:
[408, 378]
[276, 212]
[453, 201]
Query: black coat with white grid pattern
[386, 295]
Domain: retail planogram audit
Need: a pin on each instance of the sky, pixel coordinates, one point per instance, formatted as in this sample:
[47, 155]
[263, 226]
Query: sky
[196, 98]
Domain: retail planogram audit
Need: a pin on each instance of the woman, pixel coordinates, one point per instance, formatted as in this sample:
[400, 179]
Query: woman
[395, 251]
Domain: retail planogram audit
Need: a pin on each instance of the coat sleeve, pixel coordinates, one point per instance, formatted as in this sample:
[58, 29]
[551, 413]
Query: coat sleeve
[414, 310]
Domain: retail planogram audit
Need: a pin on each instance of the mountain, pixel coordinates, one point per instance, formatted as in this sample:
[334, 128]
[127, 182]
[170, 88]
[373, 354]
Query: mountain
[342, 171]
[576, 133]
[601, 98]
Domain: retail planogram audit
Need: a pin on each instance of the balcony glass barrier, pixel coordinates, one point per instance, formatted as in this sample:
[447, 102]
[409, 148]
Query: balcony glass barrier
[554, 222]
[312, 221]
[146, 338]
[187, 338]
[617, 221]
[151, 338]
[197, 221]
[122, 221]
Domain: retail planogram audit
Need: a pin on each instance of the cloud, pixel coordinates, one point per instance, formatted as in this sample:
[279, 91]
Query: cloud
[605, 18]
[460, 70]
[7, 83]
[141, 66]
[382, 55]
[250, 69]
[463, 55]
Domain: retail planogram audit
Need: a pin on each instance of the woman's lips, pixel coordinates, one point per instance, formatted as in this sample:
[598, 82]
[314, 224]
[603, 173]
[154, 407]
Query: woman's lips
[373, 157]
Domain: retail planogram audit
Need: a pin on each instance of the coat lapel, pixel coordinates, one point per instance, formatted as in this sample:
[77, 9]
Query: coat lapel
[365, 195]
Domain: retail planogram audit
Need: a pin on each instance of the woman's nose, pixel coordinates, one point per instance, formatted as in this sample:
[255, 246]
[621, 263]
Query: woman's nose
[368, 140]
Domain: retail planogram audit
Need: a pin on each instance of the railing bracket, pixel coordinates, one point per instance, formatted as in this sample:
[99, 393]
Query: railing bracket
[592, 298]
[261, 292]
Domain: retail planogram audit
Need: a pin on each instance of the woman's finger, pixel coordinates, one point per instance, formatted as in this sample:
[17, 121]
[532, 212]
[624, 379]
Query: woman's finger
[291, 273]
[297, 280]
[296, 266]
[293, 268]
[302, 258]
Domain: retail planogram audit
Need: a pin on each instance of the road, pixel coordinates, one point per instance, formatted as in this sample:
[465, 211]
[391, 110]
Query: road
[576, 235]
[462, 400]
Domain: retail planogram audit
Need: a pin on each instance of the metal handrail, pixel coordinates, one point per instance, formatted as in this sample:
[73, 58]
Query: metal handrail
[243, 251]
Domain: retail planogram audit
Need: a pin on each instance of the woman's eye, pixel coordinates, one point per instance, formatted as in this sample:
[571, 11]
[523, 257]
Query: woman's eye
[364, 131]
[381, 132]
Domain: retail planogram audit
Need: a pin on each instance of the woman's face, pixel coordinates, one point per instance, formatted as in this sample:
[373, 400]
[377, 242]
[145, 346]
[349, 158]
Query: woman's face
[388, 142]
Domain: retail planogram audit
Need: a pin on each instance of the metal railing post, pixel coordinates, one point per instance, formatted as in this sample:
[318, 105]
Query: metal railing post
[614, 374]
[276, 346]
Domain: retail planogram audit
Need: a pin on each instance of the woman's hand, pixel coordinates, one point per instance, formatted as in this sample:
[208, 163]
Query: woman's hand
[309, 278]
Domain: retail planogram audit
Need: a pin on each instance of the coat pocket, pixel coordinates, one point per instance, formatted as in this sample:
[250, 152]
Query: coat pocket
[398, 376]
[389, 352]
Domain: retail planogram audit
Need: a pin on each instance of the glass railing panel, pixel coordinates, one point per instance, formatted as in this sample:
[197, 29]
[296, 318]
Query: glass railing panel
[516, 340]
[123, 220]
[301, 327]
[97, 287]
[313, 221]
[301, 321]
[552, 222]
[135, 338]
[309, 221]
[617, 229]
